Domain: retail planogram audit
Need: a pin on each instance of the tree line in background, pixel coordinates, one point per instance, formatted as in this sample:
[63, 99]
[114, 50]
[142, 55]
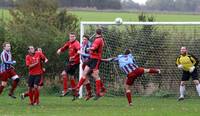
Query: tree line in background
[152, 5]
[164, 5]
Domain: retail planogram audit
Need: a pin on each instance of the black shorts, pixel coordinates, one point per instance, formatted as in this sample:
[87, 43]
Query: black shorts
[71, 69]
[186, 75]
[41, 83]
[93, 64]
[34, 80]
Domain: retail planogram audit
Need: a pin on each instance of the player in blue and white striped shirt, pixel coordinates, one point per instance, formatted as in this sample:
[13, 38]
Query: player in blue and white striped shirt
[85, 56]
[128, 65]
[8, 72]
[84, 52]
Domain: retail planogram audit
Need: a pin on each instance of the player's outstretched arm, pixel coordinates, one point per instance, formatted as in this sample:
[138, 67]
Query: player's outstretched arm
[62, 49]
[10, 62]
[108, 59]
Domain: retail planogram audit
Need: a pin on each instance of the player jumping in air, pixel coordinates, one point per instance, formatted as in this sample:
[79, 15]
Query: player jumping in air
[74, 46]
[84, 52]
[93, 64]
[8, 71]
[85, 56]
[128, 65]
[188, 64]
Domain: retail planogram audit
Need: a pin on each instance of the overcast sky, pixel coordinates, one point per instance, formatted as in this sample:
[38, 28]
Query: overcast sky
[140, 1]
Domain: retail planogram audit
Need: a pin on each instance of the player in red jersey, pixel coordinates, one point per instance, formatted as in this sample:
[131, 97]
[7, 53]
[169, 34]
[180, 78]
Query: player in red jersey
[41, 83]
[74, 46]
[93, 64]
[7, 70]
[33, 62]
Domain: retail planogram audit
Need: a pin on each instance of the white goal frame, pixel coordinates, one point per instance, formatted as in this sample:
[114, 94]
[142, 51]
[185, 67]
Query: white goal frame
[83, 23]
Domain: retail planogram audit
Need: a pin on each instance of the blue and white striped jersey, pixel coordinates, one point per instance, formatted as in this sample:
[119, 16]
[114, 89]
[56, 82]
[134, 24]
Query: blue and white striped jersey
[126, 63]
[84, 50]
[6, 59]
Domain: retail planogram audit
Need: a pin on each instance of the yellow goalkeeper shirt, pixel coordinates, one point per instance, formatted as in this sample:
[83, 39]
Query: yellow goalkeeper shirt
[187, 61]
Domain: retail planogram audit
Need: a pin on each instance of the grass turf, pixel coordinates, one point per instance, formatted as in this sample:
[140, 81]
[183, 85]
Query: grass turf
[107, 106]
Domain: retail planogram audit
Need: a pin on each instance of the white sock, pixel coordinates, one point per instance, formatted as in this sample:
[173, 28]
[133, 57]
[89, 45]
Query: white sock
[182, 91]
[198, 89]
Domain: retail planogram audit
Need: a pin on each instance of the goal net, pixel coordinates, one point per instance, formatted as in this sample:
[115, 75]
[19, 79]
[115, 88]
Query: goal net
[153, 44]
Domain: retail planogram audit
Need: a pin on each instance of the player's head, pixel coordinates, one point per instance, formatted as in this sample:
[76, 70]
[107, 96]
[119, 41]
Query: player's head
[72, 36]
[183, 50]
[127, 51]
[31, 50]
[39, 49]
[6, 46]
[98, 32]
[85, 39]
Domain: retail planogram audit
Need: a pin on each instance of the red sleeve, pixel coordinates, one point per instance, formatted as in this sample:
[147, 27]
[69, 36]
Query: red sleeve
[28, 62]
[66, 46]
[78, 47]
[42, 56]
[96, 44]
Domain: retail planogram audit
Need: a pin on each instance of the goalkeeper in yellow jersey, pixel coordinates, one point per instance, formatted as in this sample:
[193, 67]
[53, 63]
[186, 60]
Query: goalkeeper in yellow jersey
[188, 63]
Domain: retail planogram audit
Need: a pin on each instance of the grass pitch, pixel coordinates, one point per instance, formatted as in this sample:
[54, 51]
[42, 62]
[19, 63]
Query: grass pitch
[106, 106]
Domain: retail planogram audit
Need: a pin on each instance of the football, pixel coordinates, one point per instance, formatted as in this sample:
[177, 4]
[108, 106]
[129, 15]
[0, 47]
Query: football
[118, 20]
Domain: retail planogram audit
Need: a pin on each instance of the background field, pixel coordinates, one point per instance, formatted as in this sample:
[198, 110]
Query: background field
[133, 16]
[143, 106]
[126, 16]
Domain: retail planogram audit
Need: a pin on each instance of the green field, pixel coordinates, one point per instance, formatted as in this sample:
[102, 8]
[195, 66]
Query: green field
[126, 16]
[133, 16]
[143, 106]
[4, 14]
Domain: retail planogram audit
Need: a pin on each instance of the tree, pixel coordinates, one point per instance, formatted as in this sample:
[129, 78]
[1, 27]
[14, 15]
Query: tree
[129, 4]
[163, 5]
[38, 23]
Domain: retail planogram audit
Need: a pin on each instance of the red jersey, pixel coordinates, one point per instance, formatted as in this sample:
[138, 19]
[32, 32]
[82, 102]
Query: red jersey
[73, 49]
[97, 48]
[31, 59]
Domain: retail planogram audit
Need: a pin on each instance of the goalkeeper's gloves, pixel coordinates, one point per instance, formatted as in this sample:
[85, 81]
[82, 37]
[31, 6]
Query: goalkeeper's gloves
[191, 69]
[180, 66]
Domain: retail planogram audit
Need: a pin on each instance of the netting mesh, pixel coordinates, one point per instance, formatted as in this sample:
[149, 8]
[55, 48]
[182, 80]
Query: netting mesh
[152, 46]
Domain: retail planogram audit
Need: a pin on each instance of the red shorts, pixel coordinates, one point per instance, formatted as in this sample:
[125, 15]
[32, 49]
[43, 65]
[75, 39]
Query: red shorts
[133, 75]
[8, 74]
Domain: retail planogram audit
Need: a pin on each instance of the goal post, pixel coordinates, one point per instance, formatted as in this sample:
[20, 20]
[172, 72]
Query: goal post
[154, 44]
